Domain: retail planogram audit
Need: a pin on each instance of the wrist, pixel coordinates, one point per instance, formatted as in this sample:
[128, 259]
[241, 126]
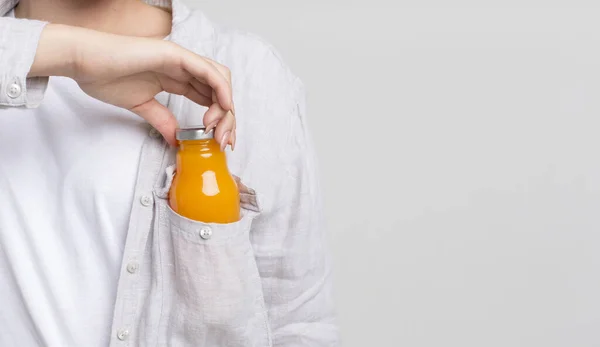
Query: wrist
[56, 51]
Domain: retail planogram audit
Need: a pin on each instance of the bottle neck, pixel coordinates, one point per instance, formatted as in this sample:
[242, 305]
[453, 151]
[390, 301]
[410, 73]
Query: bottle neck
[199, 145]
[199, 153]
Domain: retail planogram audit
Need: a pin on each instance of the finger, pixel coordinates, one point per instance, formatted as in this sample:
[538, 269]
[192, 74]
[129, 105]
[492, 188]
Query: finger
[198, 98]
[159, 117]
[186, 89]
[179, 74]
[224, 70]
[202, 88]
[225, 130]
[207, 73]
[213, 116]
[214, 99]
[233, 138]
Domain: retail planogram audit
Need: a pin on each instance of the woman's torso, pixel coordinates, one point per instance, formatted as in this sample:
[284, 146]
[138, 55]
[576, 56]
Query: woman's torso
[65, 225]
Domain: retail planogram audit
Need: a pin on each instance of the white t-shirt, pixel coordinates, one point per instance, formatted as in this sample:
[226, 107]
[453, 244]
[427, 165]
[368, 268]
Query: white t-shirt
[67, 175]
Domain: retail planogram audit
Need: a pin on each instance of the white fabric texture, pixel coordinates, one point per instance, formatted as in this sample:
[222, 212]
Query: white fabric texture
[19, 40]
[64, 213]
[263, 281]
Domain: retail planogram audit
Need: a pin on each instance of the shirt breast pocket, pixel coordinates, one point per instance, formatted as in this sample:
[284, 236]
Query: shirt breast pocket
[207, 290]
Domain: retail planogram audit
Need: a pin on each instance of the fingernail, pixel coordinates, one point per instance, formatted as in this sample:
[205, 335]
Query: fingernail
[233, 141]
[232, 108]
[210, 127]
[224, 140]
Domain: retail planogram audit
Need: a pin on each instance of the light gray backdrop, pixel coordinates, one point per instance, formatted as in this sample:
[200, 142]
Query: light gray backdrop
[459, 145]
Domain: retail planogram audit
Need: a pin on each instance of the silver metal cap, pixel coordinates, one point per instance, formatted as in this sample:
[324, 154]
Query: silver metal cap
[194, 134]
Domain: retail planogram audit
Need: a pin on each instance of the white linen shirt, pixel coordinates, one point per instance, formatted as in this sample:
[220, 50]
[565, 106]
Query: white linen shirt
[263, 281]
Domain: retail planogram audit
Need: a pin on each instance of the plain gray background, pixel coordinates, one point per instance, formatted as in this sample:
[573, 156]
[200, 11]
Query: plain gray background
[458, 143]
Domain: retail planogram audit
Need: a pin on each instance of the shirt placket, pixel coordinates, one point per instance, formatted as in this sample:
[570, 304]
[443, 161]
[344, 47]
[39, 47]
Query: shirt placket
[140, 225]
[153, 161]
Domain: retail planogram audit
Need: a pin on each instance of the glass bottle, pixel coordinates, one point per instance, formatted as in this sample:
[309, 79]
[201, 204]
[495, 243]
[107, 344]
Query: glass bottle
[203, 188]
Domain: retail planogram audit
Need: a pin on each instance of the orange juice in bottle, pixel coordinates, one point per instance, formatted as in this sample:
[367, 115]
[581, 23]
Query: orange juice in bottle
[203, 189]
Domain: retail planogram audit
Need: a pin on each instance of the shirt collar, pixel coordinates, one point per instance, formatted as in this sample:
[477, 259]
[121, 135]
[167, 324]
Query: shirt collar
[6, 6]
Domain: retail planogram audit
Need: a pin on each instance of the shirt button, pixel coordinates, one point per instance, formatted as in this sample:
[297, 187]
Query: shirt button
[122, 334]
[146, 200]
[205, 233]
[132, 267]
[14, 90]
[154, 133]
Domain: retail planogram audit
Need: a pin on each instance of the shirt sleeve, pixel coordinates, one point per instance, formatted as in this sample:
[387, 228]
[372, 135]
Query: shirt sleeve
[296, 271]
[18, 43]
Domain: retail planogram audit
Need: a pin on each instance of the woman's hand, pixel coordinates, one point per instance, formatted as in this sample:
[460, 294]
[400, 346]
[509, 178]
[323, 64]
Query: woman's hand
[129, 71]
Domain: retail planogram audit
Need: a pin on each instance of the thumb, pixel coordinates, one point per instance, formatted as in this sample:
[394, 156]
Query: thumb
[159, 117]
